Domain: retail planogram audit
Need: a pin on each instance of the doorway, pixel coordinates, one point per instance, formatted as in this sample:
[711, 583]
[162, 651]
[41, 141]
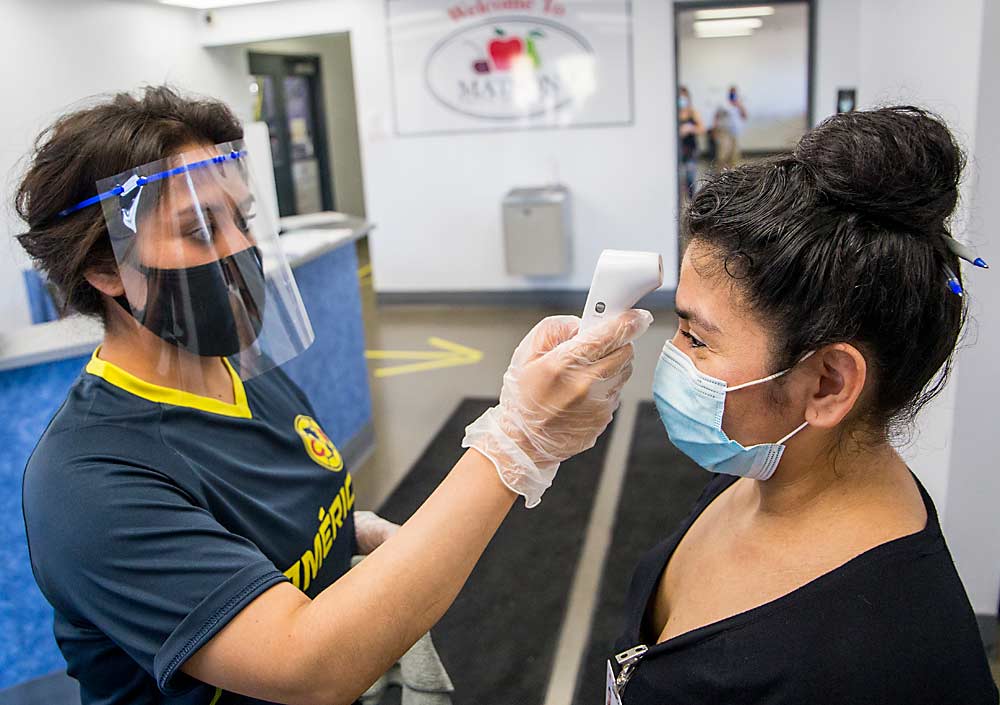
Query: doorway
[743, 77]
[288, 96]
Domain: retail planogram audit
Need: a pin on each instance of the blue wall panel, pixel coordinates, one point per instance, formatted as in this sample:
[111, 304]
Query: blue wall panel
[333, 371]
[29, 398]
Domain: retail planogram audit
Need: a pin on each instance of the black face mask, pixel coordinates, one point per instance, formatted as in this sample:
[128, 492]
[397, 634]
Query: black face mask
[212, 310]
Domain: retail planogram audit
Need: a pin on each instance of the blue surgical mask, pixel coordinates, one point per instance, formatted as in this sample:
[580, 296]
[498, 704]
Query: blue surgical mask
[691, 404]
[682, 102]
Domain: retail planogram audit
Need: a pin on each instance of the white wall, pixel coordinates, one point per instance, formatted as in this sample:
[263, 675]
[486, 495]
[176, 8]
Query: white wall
[896, 41]
[55, 53]
[837, 61]
[973, 520]
[441, 194]
[770, 69]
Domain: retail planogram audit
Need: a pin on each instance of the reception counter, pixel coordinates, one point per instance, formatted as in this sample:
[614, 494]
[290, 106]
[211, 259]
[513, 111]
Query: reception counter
[39, 363]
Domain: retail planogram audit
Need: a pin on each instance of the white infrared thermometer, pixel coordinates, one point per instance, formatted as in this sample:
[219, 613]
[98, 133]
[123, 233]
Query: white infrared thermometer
[621, 278]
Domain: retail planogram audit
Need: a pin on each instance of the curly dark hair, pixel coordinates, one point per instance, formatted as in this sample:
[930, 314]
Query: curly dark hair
[80, 148]
[843, 240]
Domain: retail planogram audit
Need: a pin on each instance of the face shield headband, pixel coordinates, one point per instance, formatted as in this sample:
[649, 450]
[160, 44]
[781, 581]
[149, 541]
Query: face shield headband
[124, 190]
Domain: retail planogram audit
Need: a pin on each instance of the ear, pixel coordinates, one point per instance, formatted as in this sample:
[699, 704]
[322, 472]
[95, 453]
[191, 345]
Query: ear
[842, 374]
[108, 283]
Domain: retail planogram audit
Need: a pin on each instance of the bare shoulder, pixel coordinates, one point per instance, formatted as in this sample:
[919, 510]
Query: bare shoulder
[885, 510]
[899, 504]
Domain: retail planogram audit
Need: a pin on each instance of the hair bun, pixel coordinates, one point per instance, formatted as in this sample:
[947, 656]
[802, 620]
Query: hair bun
[899, 166]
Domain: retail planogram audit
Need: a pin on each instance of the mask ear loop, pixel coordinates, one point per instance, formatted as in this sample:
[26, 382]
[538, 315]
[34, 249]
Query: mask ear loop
[785, 439]
[770, 377]
[804, 423]
[805, 357]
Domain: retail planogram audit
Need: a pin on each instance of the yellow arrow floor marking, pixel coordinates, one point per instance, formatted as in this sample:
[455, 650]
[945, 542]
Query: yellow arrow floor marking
[456, 348]
[406, 355]
[449, 354]
[421, 367]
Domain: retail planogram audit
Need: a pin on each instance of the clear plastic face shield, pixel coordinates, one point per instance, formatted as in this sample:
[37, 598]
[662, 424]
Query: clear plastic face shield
[203, 270]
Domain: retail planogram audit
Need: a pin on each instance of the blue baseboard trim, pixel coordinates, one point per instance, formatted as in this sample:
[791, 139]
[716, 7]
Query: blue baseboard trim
[359, 447]
[989, 629]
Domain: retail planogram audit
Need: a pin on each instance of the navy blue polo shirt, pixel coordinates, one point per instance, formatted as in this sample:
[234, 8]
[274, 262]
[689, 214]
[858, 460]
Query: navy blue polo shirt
[154, 516]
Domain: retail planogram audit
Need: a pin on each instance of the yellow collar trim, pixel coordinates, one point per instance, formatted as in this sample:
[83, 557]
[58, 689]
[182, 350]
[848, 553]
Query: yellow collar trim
[112, 374]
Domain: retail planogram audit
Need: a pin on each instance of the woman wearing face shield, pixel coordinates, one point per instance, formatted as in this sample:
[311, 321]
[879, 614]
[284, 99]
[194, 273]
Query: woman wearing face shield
[187, 517]
[819, 306]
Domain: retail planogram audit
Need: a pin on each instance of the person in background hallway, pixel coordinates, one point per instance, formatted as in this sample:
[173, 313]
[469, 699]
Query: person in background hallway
[727, 128]
[689, 126]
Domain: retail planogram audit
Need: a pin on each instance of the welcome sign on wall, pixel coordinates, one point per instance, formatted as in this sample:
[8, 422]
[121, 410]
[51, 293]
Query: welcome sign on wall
[481, 65]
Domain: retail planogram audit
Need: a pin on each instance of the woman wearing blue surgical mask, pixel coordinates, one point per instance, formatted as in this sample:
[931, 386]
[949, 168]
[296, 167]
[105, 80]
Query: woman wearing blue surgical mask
[818, 313]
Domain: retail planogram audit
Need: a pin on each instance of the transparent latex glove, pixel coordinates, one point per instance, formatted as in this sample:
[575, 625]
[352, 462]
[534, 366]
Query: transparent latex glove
[558, 396]
[371, 530]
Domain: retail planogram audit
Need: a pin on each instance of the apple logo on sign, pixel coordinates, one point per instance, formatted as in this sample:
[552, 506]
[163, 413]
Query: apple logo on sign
[503, 51]
[510, 69]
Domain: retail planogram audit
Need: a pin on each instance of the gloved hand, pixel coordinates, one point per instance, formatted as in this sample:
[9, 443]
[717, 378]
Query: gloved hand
[558, 396]
[371, 530]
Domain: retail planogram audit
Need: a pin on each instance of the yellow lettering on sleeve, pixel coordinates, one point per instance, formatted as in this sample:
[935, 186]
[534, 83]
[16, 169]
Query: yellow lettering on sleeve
[293, 573]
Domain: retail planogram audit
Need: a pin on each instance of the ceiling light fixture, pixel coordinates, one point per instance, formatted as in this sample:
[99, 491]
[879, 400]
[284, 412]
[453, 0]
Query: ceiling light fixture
[724, 33]
[728, 25]
[734, 12]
